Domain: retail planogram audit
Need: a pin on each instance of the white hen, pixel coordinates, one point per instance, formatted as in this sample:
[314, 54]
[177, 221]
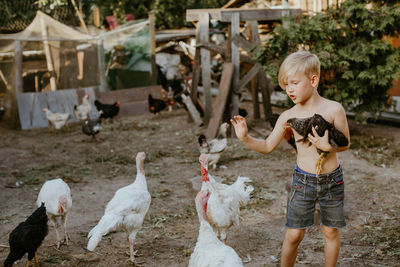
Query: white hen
[214, 148]
[58, 120]
[83, 110]
[223, 208]
[126, 210]
[56, 196]
[209, 250]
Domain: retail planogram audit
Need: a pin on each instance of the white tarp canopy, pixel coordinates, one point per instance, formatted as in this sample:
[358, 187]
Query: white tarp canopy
[34, 32]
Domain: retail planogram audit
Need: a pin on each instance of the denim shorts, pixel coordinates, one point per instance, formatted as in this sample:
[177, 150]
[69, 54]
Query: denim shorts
[307, 189]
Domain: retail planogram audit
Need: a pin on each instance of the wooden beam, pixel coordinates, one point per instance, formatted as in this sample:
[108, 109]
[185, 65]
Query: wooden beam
[241, 42]
[49, 59]
[194, 114]
[255, 39]
[220, 101]
[225, 15]
[265, 86]
[18, 67]
[152, 27]
[247, 78]
[102, 66]
[235, 24]
[220, 50]
[206, 66]
[196, 68]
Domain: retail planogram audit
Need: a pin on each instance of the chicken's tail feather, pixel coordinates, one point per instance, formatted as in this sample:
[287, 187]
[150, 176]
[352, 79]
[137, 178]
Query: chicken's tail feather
[106, 224]
[243, 190]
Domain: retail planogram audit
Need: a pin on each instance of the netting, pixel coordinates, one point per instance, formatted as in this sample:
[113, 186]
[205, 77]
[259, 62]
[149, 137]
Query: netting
[16, 15]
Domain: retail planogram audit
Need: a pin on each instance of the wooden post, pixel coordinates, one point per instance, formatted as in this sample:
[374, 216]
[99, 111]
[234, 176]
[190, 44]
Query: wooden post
[265, 86]
[205, 66]
[49, 60]
[196, 67]
[220, 101]
[152, 26]
[18, 67]
[255, 38]
[78, 13]
[101, 66]
[235, 30]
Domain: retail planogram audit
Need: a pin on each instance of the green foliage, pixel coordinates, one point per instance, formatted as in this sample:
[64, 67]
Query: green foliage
[358, 64]
[172, 13]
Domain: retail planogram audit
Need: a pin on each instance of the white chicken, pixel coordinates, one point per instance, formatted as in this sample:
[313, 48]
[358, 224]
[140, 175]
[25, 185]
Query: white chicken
[126, 210]
[223, 208]
[58, 120]
[56, 196]
[214, 148]
[83, 110]
[209, 250]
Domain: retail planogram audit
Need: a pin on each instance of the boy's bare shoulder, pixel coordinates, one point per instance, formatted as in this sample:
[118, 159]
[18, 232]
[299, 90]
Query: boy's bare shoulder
[332, 106]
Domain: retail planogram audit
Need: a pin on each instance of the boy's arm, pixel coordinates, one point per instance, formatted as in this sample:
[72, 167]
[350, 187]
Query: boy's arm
[340, 123]
[263, 146]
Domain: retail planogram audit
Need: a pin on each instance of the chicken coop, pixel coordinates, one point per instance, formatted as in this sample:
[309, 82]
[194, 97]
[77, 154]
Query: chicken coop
[45, 65]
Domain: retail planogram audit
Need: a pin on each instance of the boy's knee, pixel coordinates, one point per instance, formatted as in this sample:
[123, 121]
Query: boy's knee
[295, 236]
[330, 233]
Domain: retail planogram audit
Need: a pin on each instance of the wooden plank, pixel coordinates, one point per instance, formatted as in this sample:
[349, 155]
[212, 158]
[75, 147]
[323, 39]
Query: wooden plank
[194, 114]
[49, 60]
[18, 67]
[221, 100]
[255, 39]
[196, 68]
[235, 24]
[247, 78]
[242, 43]
[152, 26]
[225, 53]
[102, 66]
[205, 66]
[265, 85]
[225, 15]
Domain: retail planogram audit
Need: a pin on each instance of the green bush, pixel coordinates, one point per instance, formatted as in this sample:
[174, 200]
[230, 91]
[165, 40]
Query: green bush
[358, 65]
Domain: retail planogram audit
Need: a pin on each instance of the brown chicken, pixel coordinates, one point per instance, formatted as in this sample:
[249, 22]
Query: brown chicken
[304, 127]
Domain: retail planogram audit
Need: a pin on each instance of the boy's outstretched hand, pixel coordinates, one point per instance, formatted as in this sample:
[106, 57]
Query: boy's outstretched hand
[240, 125]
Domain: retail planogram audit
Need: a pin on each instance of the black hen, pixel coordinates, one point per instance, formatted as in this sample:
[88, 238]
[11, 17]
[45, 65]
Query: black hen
[156, 105]
[304, 127]
[109, 110]
[92, 127]
[27, 237]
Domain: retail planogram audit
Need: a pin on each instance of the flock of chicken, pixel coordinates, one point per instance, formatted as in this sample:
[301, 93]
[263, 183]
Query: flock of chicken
[218, 207]
[82, 112]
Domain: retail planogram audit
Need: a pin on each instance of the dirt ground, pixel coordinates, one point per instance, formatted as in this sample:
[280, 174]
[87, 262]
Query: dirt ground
[94, 171]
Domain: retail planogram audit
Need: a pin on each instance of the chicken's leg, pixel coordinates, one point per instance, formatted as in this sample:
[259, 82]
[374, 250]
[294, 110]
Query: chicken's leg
[131, 238]
[36, 260]
[66, 236]
[56, 225]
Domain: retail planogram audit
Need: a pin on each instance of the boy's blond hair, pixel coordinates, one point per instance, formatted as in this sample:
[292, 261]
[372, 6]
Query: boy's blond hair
[299, 62]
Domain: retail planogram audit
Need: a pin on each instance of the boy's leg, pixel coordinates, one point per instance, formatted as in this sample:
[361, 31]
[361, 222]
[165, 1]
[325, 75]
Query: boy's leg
[293, 237]
[332, 245]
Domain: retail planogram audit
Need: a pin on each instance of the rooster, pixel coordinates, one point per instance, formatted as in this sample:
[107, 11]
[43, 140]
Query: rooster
[27, 237]
[209, 250]
[109, 110]
[126, 210]
[58, 120]
[56, 195]
[223, 208]
[156, 105]
[304, 127]
[83, 110]
[215, 147]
